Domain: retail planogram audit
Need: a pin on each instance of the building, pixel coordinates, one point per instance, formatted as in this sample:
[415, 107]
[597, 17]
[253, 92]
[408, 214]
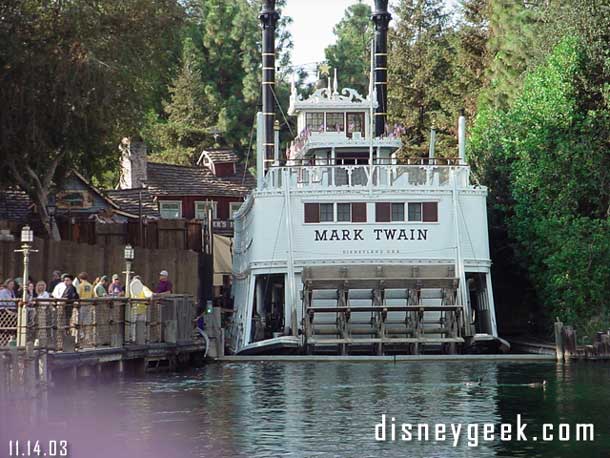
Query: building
[169, 191]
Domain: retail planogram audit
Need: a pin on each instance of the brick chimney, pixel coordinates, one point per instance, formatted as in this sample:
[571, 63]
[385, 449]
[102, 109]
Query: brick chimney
[133, 164]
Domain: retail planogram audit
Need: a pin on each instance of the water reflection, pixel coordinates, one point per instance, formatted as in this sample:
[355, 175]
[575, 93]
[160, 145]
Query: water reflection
[325, 409]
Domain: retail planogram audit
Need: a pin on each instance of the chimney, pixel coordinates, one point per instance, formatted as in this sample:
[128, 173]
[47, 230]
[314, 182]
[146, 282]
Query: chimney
[133, 164]
[381, 19]
[268, 17]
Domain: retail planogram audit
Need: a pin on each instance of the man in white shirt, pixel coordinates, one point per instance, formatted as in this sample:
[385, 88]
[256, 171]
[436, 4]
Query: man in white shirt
[60, 288]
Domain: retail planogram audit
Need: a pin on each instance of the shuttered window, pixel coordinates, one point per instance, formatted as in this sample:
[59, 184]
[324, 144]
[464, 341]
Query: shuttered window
[344, 212]
[359, 212]
[414, 211]
[430, 212]
[327, 213]
[312, 213]
[382, 212]
[398, 211]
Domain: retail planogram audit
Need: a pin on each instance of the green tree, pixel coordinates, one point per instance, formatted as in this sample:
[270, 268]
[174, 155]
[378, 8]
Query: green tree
[75, 77]
[419, 71]
[552, 151]
[351, 52]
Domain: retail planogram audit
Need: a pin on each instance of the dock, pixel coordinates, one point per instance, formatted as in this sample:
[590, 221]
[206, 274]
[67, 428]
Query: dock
[96, 336]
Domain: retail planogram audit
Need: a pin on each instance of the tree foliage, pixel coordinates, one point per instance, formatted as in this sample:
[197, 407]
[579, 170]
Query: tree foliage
[351, 52]
[76, 76]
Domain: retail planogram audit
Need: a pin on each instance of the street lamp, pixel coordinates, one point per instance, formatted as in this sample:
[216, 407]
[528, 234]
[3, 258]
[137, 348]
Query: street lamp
[27, 239]
[129, 255]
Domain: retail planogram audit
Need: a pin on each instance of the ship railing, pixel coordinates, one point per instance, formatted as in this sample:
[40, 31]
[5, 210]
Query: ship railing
[390, 176]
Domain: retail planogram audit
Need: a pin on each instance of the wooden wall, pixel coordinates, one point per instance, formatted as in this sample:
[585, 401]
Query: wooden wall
[97, 260]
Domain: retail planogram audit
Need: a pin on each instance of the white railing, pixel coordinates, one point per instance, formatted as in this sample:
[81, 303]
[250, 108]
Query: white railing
[308, 140]
[363, 176]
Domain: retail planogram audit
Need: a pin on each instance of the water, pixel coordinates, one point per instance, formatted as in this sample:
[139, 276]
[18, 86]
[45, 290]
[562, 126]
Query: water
[268, 409]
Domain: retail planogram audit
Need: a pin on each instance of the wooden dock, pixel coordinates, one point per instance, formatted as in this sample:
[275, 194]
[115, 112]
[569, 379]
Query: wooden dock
[96, 336]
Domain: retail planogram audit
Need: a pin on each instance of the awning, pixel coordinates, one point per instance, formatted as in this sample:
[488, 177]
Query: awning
[222, 258]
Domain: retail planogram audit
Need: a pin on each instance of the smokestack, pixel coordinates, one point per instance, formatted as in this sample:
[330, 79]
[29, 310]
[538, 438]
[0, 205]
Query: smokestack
[268, 17]
[381, 18]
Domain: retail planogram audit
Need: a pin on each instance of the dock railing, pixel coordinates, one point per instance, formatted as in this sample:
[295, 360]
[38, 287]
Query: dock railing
[64, 325]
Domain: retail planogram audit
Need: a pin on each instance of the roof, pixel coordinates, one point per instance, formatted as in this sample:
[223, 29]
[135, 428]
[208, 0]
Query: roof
[14, 205]
[129, 201]
[219, 155]
[180, 180]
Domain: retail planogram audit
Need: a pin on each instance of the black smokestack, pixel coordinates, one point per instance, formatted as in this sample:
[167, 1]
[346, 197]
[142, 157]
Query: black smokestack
[381, 18]
[268, 17]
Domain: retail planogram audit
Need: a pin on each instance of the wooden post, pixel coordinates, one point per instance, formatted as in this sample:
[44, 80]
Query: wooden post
[559, 340]
[569, 343]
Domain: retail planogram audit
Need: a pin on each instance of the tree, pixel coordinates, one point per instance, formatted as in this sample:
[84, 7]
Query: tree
[217, 89]
[351, 52]
[75, 77]
[419, 71]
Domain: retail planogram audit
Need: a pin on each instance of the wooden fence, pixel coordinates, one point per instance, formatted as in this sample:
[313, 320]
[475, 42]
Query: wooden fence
[66, 256]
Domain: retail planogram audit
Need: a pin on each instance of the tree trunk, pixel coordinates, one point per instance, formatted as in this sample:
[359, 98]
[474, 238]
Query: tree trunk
[42, 198]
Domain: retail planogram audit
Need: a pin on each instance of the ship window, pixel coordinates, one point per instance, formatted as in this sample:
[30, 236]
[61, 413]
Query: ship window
[312, 213]
[355, 123]
[430, 212]
[415, 213]
[327, 213]
[382, 212]
[314, 122]
[335, 122]
[344, 212]
[398, 211]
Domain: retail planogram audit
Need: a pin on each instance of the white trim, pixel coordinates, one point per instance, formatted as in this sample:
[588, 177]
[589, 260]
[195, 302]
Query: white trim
[237, 206]
[161, 204]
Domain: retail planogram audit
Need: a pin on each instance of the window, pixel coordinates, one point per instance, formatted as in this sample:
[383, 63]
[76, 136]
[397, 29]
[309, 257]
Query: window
[344, 212]
[234, 206]
[327, 213]
[335, 122]
[355, 123]
[415, 211]
[382, 212]
[170, 209]
[430, 212]
[201, 207]
[314, 122]
[398, 211]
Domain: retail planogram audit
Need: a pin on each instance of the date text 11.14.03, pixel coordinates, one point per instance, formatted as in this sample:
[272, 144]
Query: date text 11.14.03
[25, 448]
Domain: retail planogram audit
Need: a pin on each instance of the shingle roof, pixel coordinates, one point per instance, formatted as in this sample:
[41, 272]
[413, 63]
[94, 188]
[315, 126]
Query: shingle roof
[222, 155]
[128, 201]
[14, 205]
[180, 180]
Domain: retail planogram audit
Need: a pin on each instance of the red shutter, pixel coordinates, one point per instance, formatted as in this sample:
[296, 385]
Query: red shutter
[359, 212]
[430, 212]
[382, 212]
[312, 213]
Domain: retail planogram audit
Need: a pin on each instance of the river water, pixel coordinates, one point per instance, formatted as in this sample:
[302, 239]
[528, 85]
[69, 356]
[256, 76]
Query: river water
[330, 409]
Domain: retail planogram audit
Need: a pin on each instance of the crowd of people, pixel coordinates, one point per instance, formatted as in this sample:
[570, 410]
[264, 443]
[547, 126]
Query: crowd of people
[66, 286]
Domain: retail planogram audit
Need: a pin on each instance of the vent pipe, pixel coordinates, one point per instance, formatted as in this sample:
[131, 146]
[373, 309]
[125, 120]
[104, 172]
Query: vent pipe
[381, 19]
[268, 17]
[462, 138]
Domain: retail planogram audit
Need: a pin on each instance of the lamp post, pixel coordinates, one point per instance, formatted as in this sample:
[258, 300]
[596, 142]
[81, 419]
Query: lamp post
[129, 255]
[27, 239]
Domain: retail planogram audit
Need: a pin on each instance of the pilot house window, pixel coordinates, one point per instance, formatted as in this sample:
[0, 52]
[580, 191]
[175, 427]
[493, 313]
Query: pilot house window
[335, 122]
[314, 122]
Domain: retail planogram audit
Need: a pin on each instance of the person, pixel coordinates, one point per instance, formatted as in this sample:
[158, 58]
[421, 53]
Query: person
[116, 289]
[58, 290]
[164, 286]
[41, 290]
[84, 288]
[7, 294]
[55, 279]
[18, 287]
[99, 290]
[31, 292]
